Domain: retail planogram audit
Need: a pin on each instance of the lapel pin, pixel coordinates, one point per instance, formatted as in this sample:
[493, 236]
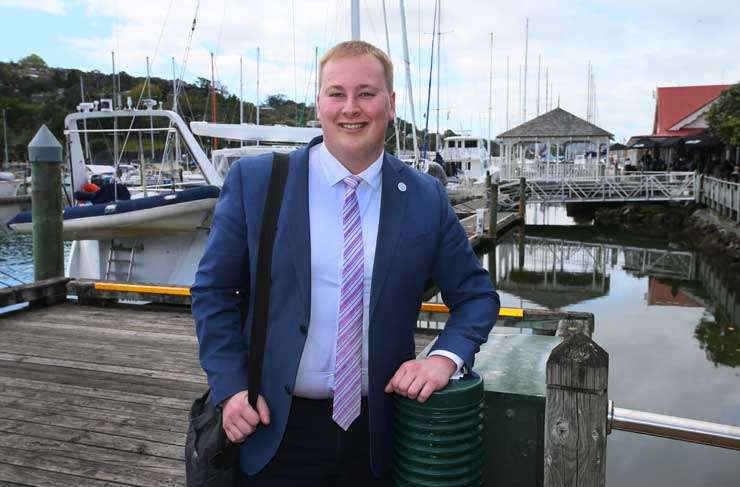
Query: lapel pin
[402, 187]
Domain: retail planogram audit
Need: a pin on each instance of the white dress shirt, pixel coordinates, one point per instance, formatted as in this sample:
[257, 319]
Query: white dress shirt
[315, 378]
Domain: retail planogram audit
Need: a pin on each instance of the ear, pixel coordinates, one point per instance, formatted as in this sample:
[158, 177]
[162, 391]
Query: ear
[392, 99]
[318, 108]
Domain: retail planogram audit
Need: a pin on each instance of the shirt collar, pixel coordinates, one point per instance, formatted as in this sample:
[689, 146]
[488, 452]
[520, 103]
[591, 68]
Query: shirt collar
[335, 172]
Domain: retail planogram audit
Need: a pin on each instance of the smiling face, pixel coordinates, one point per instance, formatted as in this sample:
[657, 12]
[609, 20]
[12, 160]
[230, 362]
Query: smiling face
[354, 107]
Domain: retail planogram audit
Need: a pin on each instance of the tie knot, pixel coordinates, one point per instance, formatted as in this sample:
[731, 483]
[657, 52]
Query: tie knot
[352, 181]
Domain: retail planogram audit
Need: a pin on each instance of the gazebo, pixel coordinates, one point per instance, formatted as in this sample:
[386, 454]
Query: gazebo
[555, 136]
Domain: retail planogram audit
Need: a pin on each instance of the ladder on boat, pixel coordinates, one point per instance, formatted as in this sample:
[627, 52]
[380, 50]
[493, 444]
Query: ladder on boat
[121, 255]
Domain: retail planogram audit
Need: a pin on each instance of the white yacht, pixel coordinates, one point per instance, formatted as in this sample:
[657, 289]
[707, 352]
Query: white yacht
[469, 155]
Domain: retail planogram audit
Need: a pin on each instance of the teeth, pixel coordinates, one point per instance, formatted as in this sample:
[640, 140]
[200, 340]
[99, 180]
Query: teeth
[352, 125]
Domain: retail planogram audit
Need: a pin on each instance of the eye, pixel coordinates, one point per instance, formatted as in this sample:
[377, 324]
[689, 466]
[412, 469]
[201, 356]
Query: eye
[367, 94]
[335, 94]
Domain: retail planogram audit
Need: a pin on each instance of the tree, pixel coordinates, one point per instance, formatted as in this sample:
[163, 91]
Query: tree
[32, 61]
[724, 117]
[137, 89]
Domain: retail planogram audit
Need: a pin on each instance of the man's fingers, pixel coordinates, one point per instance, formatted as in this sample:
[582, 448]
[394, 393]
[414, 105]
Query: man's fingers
[249, 414]
[263, 410]
[414, 388]
[426, 391]
[395, 380]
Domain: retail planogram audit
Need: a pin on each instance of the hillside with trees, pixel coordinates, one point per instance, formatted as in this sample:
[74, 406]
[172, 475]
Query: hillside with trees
[32, 94]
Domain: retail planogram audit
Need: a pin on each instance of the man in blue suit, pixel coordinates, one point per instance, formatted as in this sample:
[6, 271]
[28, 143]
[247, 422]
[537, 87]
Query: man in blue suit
[360, 236]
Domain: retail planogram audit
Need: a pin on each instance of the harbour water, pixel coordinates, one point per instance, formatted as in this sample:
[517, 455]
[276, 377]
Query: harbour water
[661, 313]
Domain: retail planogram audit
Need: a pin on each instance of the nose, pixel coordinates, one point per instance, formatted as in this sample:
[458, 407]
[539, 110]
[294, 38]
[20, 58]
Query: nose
[350, 108]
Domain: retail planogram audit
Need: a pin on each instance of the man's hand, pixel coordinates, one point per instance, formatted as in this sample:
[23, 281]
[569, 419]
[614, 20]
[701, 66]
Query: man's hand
[419, 378]
[240, 419]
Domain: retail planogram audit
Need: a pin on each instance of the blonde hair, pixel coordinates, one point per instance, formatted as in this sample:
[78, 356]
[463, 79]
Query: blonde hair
[356, 49]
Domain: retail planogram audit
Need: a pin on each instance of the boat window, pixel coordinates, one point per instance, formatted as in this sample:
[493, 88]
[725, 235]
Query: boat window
[471, 144]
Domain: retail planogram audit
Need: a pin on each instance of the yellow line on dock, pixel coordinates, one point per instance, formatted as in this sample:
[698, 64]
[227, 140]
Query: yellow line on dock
[184, 291]
[441, 308]
[142, 288]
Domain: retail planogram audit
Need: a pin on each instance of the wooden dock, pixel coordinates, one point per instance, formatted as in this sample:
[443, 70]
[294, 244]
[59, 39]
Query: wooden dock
[96, 396]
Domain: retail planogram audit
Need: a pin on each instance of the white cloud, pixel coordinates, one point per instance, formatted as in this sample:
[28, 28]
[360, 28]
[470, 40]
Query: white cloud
[55, 7]
[634, 47]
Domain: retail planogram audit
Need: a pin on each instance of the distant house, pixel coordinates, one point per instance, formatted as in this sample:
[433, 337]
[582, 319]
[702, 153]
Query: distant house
[680, 127]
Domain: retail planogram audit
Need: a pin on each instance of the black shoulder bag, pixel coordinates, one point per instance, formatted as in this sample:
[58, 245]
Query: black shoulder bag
[211, 460]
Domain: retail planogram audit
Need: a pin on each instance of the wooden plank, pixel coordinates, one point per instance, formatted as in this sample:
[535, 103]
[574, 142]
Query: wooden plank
[88, 469]
[115, 457]
[91, 438]
[129, 372]
[165, 367]
[102, 380]
[175, 422]
[32, 477]
[133, 398]
[93, 425]
[47, 291]
[110, 333]
[93, 400]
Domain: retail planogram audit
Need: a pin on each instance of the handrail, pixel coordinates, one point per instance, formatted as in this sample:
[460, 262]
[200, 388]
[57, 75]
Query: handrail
[682, 429]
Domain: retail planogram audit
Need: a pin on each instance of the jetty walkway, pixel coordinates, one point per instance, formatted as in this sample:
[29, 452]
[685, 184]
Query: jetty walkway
[568, 183]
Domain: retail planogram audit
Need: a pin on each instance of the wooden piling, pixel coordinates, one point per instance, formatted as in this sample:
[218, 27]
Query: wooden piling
[45, 155]
[522, 197]
[575, 414]
[492, 208]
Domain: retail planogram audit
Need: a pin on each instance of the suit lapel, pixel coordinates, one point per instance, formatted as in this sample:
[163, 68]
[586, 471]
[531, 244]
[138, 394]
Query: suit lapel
[392, 212]
[297, 220]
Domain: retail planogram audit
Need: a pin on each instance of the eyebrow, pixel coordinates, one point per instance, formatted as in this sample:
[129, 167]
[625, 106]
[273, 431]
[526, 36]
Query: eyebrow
[361, 87]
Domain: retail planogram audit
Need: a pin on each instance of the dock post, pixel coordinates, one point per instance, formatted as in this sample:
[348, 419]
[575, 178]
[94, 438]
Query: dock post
[576, 414]
[45, 155]
[492, 207]
[522, 197]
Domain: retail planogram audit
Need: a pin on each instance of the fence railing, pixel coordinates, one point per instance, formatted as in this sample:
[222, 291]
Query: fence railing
[721, 196]
[673, 186]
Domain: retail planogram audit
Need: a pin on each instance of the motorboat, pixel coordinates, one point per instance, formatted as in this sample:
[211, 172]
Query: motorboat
[164, 214]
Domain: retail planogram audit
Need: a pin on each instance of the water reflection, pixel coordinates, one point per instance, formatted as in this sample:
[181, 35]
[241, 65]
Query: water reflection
[551, 269]
[16, 251]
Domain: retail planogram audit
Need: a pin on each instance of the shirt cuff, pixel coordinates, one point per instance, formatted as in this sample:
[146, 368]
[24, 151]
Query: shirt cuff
[454, 357]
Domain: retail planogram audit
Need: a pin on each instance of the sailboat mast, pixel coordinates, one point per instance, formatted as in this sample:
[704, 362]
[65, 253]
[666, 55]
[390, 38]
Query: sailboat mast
[241, 96]
[507, 93]
[388, 52]
[438, 139]
[174, 109]
[355, 20]
[115, 119]
[526, 54]
[408, 81]
[490, 97]
[213, 100]
[539, 72]
[149, 95]
[84, 123]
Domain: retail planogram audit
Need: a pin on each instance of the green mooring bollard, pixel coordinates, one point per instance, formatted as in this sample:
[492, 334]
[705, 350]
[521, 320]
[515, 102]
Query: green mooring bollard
[440, 443]
[45, 155]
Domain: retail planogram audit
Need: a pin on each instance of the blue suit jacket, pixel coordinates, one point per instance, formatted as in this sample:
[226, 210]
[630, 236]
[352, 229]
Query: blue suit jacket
[419, 239]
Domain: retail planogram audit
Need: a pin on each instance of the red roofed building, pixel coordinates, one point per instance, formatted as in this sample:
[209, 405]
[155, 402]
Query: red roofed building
[681, 110]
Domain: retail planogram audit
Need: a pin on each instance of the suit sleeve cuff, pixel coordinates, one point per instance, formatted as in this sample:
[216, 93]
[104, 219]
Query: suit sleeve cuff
[455, 358]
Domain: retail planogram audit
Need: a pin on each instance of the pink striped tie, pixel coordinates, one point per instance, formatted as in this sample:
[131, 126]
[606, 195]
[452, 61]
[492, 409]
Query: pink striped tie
[348, 364]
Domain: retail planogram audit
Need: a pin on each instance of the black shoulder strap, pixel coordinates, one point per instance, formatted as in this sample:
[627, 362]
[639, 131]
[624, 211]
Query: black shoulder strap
[270, 214]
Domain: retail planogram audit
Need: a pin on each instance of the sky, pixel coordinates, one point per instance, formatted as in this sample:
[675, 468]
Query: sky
[634, 46]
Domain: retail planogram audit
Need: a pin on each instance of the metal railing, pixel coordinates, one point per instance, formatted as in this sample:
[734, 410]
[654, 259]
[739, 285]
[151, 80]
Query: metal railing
[550, 171]
[721, 196]
[672, 186]
[683, 429]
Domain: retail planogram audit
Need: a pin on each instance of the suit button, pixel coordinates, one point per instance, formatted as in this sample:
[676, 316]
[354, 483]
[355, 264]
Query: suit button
[288, 390]
[304, 329]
